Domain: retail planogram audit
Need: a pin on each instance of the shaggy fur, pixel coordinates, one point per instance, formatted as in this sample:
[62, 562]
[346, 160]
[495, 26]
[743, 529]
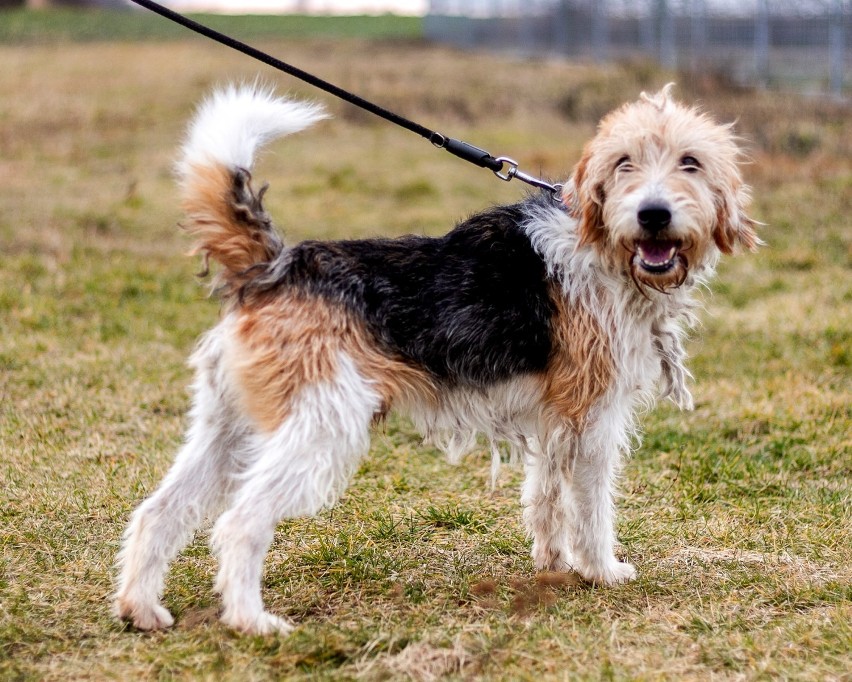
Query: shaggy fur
[544, 325]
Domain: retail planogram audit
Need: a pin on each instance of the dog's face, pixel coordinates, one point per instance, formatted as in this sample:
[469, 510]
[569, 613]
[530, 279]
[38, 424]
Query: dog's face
[657, 188]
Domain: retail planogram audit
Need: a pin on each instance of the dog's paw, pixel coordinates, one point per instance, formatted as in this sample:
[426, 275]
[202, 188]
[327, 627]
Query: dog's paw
[143, 617]
[612, 574]
[622, 572]
[551, 558]
[263, 623]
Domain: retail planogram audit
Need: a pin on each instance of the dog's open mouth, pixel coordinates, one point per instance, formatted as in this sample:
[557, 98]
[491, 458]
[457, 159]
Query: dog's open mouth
[657, 256]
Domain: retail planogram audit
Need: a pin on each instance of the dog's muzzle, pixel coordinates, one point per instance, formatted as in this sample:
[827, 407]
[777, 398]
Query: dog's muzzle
[654, 252]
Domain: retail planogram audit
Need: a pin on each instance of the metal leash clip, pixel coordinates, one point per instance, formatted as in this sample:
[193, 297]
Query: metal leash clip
[512, 172]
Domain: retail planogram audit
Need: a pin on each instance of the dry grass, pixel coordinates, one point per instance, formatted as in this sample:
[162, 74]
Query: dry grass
[738, 515]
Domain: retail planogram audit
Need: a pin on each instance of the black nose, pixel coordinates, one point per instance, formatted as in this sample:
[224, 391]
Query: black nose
[654, 217]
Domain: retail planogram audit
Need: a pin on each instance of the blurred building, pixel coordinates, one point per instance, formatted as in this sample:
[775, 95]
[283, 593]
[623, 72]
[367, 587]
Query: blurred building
[797, 44]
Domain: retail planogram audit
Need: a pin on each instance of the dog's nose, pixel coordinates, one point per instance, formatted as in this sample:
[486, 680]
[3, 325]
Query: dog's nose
[654, 217]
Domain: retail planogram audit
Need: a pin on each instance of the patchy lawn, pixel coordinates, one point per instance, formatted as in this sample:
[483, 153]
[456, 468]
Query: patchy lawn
[738, 515]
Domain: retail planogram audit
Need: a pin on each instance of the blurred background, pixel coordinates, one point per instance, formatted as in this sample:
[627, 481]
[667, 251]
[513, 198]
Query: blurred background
[790, 44]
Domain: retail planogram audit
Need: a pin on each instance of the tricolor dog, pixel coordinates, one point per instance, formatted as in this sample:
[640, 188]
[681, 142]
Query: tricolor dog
[544, 324]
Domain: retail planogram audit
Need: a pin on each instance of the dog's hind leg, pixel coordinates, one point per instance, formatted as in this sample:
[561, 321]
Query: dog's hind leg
[196, 484]
[301, 467]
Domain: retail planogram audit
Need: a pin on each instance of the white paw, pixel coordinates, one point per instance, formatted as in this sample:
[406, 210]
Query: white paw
[263, 623]
[550, 559]
[611, 574]
[143, 616]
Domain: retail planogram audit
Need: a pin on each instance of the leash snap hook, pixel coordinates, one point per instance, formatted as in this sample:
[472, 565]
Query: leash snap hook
[512, 170]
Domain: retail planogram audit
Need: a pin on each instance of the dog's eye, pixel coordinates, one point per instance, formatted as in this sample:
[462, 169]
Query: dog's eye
[623, 164]
[690, 164]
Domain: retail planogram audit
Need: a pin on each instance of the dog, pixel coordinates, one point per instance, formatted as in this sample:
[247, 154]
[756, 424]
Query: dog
[545, 325]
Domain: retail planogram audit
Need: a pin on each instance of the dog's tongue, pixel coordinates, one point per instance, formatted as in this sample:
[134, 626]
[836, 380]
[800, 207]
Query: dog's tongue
[656, 252]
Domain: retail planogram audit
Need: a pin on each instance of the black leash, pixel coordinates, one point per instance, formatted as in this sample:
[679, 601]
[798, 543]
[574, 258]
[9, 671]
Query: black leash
[503, 167]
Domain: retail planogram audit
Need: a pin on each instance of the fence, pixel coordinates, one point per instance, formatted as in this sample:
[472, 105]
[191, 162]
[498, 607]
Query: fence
[793, 44]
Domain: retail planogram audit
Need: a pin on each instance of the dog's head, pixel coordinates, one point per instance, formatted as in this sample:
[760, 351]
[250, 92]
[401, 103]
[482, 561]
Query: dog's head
[658, 188]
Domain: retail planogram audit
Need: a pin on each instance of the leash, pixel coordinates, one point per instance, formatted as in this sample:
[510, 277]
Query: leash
[502, 166]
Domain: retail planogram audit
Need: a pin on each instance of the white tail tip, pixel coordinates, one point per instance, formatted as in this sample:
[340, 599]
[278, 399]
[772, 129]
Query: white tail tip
[233, 123]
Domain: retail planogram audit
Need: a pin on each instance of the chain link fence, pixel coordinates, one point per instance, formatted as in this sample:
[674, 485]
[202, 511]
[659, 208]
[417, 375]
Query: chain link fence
[785, 44]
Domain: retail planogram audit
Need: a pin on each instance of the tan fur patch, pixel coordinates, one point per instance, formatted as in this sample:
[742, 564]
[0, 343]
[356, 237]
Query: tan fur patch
[581, 365]
[586, 203]
[228, 237]
[293, 341]
[732, 228]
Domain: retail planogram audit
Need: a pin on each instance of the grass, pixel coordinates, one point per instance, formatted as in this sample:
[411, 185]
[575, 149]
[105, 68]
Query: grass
[737, 515]
[96, 25]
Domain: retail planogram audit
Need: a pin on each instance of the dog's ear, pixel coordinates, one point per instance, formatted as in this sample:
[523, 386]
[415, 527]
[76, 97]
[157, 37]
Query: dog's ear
[733, 227]
[584, 196]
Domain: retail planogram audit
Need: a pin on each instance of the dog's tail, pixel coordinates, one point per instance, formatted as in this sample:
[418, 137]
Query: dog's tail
[223, 213]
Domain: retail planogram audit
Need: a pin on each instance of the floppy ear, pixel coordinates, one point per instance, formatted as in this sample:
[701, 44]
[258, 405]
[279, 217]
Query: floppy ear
[733, 227]
[584, 196]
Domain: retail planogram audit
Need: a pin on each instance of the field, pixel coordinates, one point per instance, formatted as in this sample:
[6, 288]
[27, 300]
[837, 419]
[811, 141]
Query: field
[738, 515]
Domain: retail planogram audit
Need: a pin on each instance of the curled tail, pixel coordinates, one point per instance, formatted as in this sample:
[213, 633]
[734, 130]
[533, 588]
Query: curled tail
[223, 213]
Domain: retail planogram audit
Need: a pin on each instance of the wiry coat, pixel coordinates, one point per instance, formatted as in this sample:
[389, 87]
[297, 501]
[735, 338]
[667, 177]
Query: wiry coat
[544, 324]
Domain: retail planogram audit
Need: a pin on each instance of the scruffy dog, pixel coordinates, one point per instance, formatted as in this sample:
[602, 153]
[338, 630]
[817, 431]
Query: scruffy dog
[544, 325]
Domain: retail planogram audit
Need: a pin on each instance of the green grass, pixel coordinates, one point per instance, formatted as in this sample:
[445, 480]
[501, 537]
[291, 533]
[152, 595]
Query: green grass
[738, 515]
[58, 25]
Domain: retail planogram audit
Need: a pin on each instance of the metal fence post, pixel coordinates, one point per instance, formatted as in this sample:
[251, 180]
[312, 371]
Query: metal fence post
[698, 32]
[668, 50]
[761, 43]
[600, 31]
[647, 18]
[836, 47]
[560, 27]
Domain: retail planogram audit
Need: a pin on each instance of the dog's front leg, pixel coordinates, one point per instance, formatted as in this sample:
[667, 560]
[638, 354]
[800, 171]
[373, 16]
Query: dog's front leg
[592, 508]
[545, 507]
